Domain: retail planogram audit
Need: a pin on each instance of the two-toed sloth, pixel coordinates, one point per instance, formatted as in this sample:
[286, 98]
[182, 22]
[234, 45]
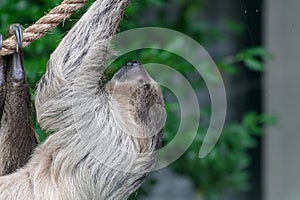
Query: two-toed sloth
[104, 136]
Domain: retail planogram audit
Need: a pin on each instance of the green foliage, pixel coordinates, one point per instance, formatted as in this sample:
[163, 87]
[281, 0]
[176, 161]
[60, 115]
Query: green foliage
[225, 167]
[252, 58]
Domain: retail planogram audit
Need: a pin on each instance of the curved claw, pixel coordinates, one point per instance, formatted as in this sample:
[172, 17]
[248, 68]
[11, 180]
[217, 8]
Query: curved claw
[18, 31]
[15, 66]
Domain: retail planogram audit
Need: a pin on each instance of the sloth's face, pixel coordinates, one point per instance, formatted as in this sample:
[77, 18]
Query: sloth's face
[139, 99]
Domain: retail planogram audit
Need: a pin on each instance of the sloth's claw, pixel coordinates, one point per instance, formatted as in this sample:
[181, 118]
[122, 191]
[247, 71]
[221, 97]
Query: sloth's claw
[18, 32]
[17, 59]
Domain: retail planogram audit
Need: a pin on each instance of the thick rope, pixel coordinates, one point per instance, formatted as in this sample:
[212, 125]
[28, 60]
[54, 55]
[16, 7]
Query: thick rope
[43, 25]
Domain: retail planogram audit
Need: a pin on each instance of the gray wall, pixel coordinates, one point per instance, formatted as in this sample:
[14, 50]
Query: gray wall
[282, 97]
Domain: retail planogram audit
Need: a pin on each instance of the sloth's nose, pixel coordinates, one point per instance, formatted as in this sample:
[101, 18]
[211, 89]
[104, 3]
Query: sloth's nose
[133, 63]
[133, 71]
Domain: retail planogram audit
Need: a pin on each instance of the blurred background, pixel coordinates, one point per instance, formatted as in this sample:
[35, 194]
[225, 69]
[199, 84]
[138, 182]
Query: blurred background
[255, 46]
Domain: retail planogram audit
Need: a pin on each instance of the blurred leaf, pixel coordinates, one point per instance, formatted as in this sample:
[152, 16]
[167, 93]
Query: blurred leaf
[253, 58]
[228, 68]
[258, 51]
[254, 64]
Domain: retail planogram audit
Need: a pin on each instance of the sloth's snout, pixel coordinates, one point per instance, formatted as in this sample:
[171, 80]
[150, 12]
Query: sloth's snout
[133, 71]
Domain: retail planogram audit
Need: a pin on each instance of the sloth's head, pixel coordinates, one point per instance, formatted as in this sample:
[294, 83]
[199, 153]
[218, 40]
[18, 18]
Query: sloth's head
[138, 99]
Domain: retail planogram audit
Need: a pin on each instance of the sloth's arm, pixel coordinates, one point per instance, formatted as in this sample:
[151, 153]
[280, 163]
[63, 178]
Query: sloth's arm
[17, 137]
[75, 69]
[85, 48]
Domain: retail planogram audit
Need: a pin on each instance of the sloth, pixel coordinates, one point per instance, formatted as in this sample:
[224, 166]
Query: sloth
[17, 137]
[104, 137]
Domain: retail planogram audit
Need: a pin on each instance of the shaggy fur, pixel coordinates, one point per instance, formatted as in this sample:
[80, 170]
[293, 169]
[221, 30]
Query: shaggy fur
[104, 137]
[17, 137]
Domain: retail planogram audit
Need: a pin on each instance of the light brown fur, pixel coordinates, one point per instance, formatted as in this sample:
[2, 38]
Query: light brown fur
[103, 144]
